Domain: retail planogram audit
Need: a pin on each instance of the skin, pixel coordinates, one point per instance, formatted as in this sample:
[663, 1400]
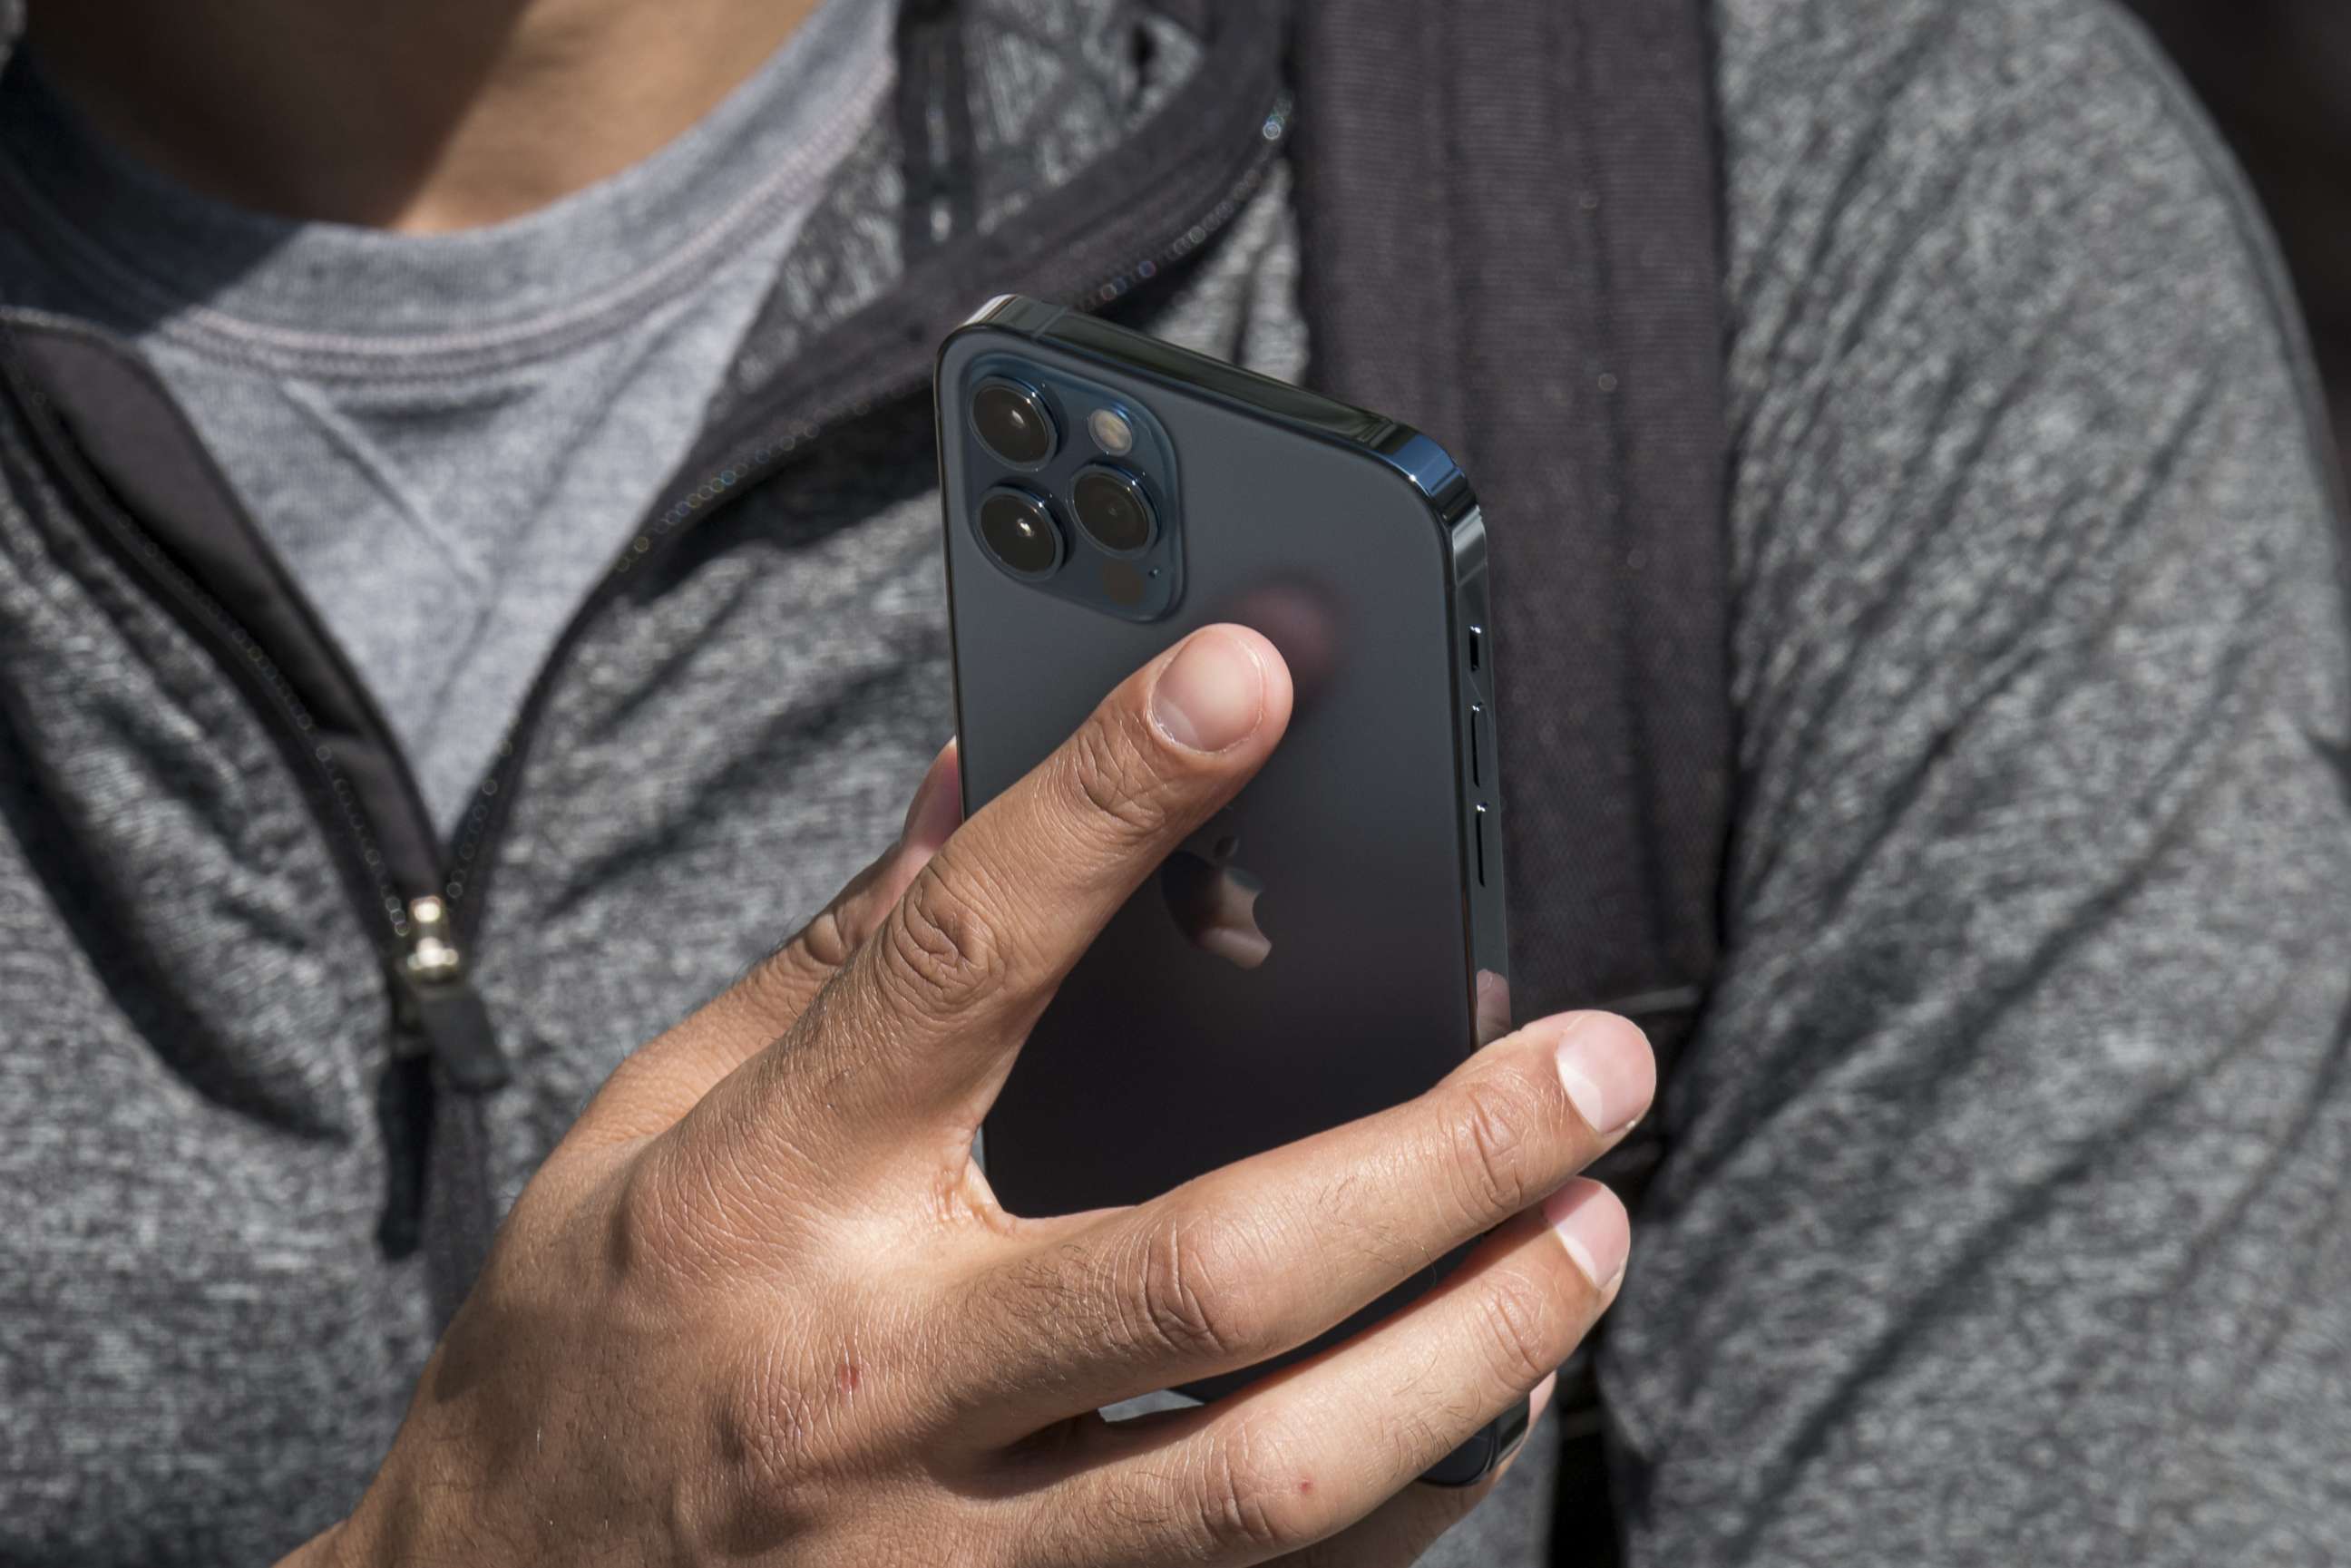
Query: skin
[420, 117]
[760, 1304]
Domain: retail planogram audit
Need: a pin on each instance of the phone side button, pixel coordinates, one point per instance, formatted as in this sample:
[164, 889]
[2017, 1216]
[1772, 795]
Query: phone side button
[1477, 745]
[1478, 827]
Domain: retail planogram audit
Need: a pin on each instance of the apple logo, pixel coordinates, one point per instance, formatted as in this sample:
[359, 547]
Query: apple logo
[1214, 900]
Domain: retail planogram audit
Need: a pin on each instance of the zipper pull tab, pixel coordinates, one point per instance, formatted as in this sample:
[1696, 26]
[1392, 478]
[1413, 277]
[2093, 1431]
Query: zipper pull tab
[449, 1011]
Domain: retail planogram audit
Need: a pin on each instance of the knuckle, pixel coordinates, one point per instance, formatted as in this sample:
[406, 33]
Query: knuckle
[759, 1434]
[1520, 1328]
[1195, 1293]
[1255, 1497]
[768, 1429]
[826, 939]
[816, 1389]
[686, 1218]
[1490, 1126]
[942, 947]
[665, 1247]
[645, 1223]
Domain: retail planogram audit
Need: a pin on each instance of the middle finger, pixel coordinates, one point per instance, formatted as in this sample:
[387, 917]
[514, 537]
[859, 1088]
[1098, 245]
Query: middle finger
[1261, 1256]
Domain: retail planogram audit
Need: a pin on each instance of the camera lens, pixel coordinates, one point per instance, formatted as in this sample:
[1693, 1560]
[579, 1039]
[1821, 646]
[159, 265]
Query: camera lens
[1012, 420]
[1019, 530]
[1114, 510]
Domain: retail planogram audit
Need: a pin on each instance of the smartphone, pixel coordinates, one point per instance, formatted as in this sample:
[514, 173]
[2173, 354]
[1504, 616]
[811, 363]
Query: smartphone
[1313, 954]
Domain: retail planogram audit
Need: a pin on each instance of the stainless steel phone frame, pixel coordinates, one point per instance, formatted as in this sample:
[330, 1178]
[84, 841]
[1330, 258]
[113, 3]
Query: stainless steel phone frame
[1356, 543]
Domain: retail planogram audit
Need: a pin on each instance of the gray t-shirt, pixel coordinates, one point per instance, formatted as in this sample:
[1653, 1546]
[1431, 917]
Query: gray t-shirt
[448, 437]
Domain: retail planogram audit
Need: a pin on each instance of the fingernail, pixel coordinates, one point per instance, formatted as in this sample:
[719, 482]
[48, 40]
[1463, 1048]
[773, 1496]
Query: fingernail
[1591, 1224]
[1605, 1066]
[936, 809]
[1540, 1400]
[1491, 1007]
[1213, 695]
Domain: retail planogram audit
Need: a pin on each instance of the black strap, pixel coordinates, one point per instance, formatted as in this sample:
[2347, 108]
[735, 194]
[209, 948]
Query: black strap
[1510, 214]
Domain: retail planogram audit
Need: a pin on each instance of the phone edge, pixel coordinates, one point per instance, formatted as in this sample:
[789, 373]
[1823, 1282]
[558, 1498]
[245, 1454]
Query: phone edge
[1445, 494]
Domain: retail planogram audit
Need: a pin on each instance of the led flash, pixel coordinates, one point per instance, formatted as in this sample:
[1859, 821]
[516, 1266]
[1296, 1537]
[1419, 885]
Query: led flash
[1110, 431]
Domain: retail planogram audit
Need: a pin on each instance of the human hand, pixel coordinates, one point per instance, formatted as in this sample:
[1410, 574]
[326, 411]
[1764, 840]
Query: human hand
[761, 1304]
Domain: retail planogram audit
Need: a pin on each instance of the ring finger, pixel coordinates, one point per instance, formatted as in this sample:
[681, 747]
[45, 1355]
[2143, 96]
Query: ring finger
[1301, 1455]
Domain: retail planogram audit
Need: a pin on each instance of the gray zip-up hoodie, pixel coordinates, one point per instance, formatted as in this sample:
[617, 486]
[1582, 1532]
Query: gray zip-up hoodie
[2003, 1214]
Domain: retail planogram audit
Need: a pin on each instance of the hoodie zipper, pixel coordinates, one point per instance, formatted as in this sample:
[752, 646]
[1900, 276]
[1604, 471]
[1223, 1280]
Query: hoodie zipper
[435, 1010]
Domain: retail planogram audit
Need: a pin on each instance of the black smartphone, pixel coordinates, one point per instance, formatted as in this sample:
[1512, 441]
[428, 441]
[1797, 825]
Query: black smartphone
[1314, 953]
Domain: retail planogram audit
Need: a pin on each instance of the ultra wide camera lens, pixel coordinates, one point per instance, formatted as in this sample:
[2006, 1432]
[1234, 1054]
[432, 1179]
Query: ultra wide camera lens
[1019, 530]
[1012, 422]
[1114, 510]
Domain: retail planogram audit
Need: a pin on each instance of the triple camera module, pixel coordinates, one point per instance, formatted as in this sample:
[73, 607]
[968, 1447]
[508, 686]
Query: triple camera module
[1109, 479]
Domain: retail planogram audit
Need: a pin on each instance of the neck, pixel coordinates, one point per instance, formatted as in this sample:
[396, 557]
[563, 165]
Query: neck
[425, 117]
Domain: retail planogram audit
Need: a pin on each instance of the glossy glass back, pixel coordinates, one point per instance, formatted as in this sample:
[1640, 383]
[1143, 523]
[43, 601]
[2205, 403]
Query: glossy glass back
[1352, 544]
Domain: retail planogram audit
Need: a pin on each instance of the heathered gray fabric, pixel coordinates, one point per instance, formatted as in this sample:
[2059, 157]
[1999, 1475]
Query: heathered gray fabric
[202, 1350]
[447, 438]
[2004, 1221]
[1046, 77]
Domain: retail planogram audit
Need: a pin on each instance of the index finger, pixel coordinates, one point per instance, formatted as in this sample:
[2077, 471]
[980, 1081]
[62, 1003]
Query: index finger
[919, 1028]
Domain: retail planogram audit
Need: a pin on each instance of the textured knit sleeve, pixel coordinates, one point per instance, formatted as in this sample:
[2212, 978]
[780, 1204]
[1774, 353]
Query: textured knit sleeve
[2005, 1220]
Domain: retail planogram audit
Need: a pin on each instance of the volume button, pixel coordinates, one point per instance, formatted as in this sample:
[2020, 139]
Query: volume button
[1477, 745]
[1478, 825]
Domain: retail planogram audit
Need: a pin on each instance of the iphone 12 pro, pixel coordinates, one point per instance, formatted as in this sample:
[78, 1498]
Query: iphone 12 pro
[1313, 954]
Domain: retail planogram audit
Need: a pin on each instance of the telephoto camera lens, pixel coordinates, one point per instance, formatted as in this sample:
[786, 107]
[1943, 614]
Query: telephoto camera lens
[1019, 530]
[1012, 422]
[1114, 510]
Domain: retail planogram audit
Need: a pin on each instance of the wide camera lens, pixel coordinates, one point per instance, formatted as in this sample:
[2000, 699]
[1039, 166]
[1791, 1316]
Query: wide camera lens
[1019, 532]
[1012, 420]
[1114, 510]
